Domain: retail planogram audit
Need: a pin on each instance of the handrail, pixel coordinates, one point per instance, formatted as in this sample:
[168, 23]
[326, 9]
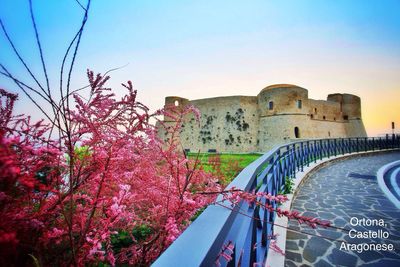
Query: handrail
[201, 243]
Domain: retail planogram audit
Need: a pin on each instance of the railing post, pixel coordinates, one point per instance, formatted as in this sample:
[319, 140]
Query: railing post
[280, 171]
[315, 151]
[292, 161]
[335, 145]
[295, 160]
[327, 148]
[302, 156]
[342, 145]
[357, 145]
[373, 143]
[387, 141]
[350, 145]
[320, 149]
[398, 141]
[365, 144]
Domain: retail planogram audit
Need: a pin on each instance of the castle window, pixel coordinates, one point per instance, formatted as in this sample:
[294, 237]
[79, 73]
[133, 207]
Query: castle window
[324, 117]
[329, 134]
[345, 117]
[176, 103]
[296, 132]
[334, 118]
[312, 116]
[271, 105]
[299, 104]
[315, 110]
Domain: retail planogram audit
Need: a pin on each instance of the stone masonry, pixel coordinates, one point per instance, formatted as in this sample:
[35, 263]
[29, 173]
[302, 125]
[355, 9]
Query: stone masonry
[278, 114]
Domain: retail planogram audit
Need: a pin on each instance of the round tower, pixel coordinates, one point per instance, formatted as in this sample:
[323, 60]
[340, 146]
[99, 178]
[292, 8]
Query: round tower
[282, 99]
[283, 110]
[350, 105]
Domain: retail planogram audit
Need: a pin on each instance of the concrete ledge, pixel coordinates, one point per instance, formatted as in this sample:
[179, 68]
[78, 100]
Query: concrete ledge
[275, 259]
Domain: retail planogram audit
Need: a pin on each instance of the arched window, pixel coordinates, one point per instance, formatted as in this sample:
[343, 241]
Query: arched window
[176, 103]
[299, 104]
[315, 110]
[296, 132]
[271, 105]
[324, 117]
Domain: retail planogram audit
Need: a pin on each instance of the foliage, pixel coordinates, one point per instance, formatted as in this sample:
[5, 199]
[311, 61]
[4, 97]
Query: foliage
[197, 214]
[288, 187]
[107, 190]
[226, 166]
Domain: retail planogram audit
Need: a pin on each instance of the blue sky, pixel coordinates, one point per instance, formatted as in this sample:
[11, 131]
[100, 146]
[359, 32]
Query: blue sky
[198, 49]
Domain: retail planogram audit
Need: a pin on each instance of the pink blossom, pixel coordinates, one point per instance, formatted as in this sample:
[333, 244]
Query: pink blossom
[172, 229]
[107, 174]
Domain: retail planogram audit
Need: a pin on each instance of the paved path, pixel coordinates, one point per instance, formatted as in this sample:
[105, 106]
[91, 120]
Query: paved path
[338, 192]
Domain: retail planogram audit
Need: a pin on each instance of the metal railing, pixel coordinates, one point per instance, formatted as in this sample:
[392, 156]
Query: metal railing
[247, 227]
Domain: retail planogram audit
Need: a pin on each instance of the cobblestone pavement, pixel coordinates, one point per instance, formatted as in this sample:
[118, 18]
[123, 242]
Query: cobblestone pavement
[338, 192]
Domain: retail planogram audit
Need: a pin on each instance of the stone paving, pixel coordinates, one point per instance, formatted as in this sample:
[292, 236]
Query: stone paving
[338, 192]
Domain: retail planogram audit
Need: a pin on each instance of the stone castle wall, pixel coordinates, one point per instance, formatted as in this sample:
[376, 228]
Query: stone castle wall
[277, 115]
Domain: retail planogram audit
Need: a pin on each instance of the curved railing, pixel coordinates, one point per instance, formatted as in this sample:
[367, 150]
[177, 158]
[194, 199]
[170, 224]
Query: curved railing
[246, 227]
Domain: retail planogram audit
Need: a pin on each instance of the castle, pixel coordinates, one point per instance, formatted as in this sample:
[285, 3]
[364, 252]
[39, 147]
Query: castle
[278, 114]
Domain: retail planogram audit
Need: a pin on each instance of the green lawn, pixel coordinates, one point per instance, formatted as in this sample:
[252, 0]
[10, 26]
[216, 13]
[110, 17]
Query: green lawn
[224, 166]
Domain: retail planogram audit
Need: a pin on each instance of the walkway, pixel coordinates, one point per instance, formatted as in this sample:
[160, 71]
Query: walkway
[338, 192]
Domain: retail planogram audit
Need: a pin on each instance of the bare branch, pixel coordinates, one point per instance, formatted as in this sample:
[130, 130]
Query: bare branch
[40, 47]
[19, 56]
[79, 3]
[77, 35]
[26, 93]
[114, 69]
[7, 74]
[56, 109]
[76, 49]
[86, 86]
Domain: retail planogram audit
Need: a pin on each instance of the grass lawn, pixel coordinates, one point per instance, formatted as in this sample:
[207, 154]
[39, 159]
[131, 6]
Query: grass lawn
[224, 166]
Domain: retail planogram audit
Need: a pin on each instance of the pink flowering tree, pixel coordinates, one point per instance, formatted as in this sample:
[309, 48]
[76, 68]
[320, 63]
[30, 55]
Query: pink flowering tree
[94, 184]
[108, 190]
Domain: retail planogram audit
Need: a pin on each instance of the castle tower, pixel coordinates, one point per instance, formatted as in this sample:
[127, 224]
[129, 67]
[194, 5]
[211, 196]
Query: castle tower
[350, 107]
[174, 103]
[283, 110]
[279, 114]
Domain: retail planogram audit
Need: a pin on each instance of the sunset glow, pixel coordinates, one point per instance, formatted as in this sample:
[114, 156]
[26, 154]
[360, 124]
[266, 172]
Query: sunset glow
[214, 48]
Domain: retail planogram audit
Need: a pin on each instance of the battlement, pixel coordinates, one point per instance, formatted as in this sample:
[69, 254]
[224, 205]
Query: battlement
[278, 114]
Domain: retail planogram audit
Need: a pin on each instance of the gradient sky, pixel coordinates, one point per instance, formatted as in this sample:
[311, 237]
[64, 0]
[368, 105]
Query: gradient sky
[200, 49]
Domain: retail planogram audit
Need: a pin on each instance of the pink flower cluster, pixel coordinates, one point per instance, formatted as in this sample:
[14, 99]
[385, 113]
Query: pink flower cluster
[107, 190]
